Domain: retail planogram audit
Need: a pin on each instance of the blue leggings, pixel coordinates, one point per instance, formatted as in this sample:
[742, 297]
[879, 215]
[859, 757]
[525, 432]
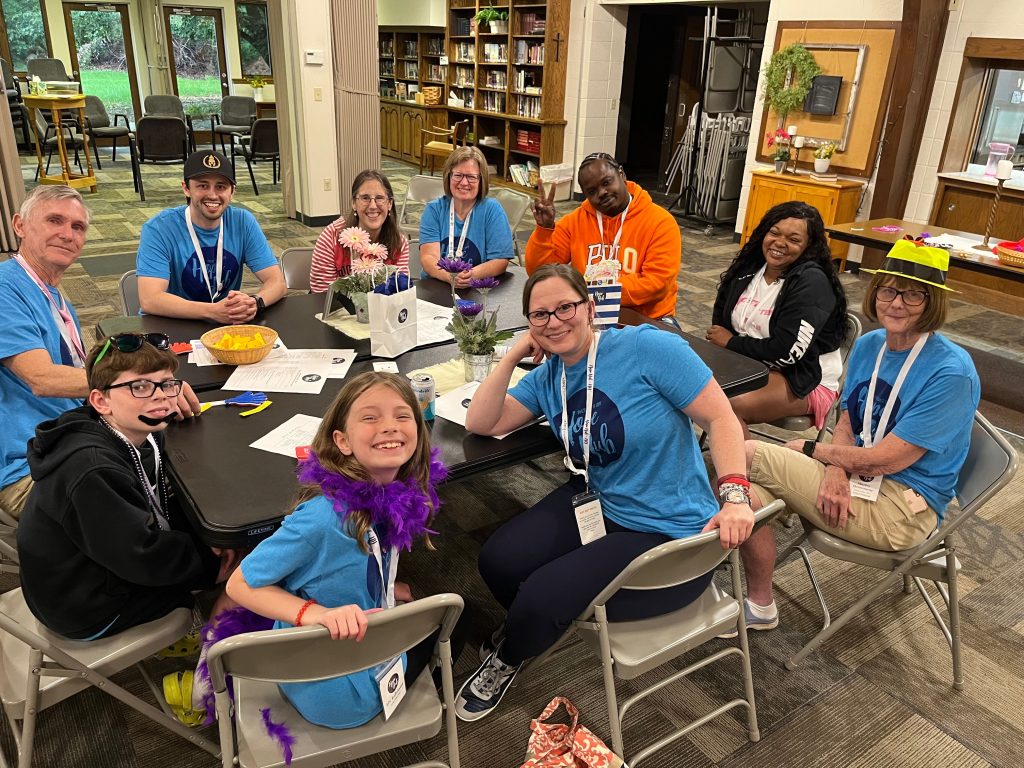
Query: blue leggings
[537, 569]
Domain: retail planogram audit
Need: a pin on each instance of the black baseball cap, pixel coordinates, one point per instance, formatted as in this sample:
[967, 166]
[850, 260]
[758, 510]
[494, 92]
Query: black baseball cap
[208, 161]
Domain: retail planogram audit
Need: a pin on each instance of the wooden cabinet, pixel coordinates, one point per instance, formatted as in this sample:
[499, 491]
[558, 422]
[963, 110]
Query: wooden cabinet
[836, 201]
[410, 57]
[965, 205]
[401, 124]
[390, 131]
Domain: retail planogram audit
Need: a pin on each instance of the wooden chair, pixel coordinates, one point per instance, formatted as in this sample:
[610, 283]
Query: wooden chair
[439, 143]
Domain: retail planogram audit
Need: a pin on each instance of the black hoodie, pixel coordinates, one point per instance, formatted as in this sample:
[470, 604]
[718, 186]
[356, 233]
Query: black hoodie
[89, 544]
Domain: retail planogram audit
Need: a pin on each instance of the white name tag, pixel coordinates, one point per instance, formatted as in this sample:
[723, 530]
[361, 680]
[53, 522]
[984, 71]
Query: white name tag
[865, 487]
[391, 683]
[589, 519]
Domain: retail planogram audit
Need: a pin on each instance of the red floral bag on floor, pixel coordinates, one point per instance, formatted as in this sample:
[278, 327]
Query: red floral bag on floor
[554, 745]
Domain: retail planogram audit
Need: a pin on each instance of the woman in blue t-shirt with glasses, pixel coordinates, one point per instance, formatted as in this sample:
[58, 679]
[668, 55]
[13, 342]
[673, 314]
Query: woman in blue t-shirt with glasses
[630, 395]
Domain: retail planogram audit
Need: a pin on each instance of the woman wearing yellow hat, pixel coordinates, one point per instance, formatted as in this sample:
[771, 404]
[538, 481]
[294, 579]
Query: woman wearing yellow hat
[885, 479]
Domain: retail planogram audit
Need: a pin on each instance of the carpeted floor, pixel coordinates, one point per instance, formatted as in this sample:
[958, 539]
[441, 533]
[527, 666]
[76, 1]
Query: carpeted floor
[879, 694]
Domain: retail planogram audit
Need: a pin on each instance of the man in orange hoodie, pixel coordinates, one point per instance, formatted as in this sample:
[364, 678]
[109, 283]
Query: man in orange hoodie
[618, 218]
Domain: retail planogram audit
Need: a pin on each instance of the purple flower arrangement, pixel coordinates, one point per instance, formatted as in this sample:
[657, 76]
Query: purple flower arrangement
[475, 333]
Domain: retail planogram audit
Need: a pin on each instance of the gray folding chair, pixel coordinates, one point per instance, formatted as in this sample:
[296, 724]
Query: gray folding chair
[262, 144]
[235, 119]
[420, 191]
[41, 669]
[629, 649]
[128, 286]
[51, 70]
[296, 263]
[98, 125]
[515, 204]
[9, 562]
[990, 465]
[169, 105]
[258, 661]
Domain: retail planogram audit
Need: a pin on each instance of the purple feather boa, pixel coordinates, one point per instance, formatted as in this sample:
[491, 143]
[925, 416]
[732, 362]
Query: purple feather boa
[227, 623]
[398, 511]
[280, 733]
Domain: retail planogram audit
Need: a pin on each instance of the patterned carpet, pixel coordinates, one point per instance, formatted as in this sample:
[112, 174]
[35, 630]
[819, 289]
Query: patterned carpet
[878, 694]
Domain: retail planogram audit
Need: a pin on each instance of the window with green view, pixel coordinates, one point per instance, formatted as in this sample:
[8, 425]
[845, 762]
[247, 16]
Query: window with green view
[253, 39]
[26, 35]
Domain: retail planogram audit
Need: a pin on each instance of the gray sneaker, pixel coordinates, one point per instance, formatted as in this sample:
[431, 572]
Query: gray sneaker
[753, 622]
[488, 646]
[483, 691]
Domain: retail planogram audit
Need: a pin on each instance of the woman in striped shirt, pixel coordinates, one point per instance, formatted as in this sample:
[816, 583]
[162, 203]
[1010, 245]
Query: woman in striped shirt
[373, 210]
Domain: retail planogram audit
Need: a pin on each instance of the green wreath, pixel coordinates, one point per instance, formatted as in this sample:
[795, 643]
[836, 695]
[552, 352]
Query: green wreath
[798, 60]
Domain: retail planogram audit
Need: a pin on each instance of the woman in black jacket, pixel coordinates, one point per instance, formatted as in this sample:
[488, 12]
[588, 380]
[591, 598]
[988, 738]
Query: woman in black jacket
[781, 302]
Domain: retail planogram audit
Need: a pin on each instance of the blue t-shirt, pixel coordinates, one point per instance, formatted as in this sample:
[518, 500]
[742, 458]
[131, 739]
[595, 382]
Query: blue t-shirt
[166, 252]
[312, 556]
[934, 409]
[489, 236]
[644, 460]
[28, 324]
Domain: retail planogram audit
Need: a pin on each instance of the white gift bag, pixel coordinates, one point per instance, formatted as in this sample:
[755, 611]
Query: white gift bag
[392, 323]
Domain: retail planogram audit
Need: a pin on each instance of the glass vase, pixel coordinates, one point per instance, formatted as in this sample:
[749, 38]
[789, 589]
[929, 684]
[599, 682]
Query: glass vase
[476, 366]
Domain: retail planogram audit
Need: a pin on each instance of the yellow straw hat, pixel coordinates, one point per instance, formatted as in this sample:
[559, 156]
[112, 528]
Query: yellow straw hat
[914, 260]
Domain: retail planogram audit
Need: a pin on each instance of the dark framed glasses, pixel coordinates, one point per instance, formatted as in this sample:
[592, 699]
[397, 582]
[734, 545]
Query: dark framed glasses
[567, 311]
[911, 297]
[143, 388]
[132, 342]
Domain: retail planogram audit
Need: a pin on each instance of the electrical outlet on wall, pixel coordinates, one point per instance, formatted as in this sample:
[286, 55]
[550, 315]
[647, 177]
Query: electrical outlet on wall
[327, 185]
[318, 94]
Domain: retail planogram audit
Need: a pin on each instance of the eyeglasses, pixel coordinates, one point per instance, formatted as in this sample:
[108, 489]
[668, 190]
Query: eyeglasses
[542, 317]
[380, 200]
[611, 161]
[132, 342]
[912, 297]
[143, 388]
[472, 178]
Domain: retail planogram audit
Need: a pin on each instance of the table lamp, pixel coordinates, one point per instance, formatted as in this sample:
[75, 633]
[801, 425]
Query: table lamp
[1003, 171]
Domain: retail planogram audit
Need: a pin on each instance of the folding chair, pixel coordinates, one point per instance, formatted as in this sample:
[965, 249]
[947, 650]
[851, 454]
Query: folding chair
[515, 205]
[9, 562]
[261, 144]
[128, 286]
[990, 465]
[437, 142]
[42, 669]
[421, 189]
[258, 661]
[296, 263]
[628, 649]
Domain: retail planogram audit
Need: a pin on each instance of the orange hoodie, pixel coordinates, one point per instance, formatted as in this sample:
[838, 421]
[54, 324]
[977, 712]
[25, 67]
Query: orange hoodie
[649, 250]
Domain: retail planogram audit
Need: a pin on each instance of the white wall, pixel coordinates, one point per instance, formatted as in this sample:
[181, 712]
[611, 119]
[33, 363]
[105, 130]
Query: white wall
[411, 13]
[976, 18]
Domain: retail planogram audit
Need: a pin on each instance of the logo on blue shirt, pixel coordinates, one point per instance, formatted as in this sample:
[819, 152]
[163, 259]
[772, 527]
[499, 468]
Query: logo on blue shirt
[469, 250]
[192, 282]
[607, 434]
[855, 406]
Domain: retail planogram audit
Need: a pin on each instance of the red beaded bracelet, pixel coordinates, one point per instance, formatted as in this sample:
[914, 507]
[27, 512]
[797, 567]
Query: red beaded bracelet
[738, 479]
[302, 610]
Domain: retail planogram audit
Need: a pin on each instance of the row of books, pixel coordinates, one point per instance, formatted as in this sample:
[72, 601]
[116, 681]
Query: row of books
[409, 49]
[437, 72]
[527, 140]
[412, 70]
[464, 77]
[495, 78]
[528, 81]
[496, 52]
[528, 106]
[492, 101]
[529, 53]
[524, 173]
[461, 25]
[531, 24]
[387, 46]
[387, 68]
[465, 52]
[435, 46]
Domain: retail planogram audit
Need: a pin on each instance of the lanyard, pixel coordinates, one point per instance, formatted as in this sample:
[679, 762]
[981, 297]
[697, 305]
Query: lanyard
[154, 501]
[622, 224]
[202, 260]
[61, 316]
[451, 231]
[865, 432]
[591, 364]
[388, 586]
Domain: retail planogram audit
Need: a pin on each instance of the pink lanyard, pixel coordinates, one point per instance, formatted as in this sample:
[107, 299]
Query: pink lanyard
[70, 331]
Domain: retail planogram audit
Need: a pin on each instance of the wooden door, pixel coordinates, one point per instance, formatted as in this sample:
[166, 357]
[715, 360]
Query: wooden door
[416, 126]
[107, 68]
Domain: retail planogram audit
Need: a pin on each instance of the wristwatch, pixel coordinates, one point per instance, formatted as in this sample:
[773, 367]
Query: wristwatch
[734, 496]
[809, 446]
[261, 305]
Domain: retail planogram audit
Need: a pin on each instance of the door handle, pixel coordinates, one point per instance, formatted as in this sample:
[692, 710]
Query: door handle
[951, 206]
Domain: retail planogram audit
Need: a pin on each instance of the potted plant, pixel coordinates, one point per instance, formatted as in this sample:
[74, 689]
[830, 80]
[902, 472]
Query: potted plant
[780, 141]
[496, 21]
[823, 156]
[367, 269]
[476, 334]
[788, 79]
[257, 84]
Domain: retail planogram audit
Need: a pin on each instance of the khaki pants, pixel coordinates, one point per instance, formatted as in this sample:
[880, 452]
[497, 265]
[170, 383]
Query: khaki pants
[14, 496]
[886, 523]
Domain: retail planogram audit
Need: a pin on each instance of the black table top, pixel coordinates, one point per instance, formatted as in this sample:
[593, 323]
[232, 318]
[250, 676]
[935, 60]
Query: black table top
[292, 318]
[236, 495]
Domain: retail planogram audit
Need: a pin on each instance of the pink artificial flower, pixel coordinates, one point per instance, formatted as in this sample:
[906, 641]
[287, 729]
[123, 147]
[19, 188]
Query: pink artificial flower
[376, 250]
[362, 265]
[355, 238]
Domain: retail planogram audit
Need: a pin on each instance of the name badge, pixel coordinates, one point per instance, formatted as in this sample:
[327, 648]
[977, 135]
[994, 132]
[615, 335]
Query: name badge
[589, 519]
[865, 487]
[391, 682]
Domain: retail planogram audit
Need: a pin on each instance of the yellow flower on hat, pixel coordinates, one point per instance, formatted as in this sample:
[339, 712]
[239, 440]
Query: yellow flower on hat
[915, 260]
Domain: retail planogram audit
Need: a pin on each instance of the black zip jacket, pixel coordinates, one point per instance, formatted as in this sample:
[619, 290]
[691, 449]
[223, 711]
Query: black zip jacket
[88, 541]
[804, 325]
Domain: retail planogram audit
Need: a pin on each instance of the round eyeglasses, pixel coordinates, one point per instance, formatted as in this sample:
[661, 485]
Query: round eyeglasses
[380, 200]
[143, 388]
[567, 311]
[911, 297]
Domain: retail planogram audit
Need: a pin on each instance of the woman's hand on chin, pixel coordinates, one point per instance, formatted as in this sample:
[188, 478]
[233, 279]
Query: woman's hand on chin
[527, 346]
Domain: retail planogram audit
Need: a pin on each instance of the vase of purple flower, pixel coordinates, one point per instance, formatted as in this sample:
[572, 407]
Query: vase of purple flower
[475, 332]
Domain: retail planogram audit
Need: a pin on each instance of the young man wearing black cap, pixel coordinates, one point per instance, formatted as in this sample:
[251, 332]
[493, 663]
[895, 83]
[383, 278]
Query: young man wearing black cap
[190, 258]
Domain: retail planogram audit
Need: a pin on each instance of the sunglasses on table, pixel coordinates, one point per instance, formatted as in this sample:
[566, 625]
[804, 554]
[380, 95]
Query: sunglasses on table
[145, 388]
[132, 342]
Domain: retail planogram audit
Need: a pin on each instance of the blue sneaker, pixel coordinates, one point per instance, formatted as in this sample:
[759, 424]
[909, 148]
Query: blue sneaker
[482, 692]
[488, 646]
[753, 622]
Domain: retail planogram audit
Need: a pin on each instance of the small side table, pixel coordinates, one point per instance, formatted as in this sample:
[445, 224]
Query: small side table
[74, 102]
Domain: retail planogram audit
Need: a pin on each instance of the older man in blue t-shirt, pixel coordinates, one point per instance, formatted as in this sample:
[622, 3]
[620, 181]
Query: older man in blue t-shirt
[42, 353]
[190, 257]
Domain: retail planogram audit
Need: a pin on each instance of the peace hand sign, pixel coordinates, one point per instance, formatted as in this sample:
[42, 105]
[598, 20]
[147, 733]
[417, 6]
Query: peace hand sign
[544, 208]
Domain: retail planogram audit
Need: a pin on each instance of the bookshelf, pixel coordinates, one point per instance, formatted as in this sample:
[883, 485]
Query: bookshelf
[409, 61]
[510, 83]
